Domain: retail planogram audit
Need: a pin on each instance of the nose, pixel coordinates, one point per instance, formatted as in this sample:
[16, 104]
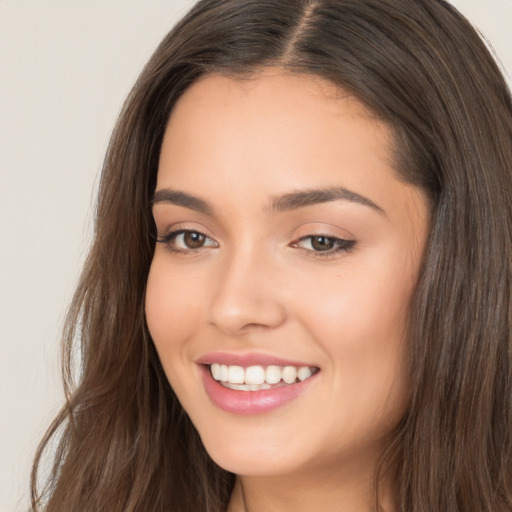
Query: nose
[247, 295]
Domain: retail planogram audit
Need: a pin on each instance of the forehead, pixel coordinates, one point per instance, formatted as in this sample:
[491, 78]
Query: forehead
[273, 133]
[269, 115]
[273, 95]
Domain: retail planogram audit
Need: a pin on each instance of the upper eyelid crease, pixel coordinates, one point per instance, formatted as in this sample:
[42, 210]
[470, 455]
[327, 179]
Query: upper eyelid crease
[180, 231]
[286, 202]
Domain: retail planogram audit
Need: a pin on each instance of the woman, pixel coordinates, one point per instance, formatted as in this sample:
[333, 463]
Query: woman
[299, 292]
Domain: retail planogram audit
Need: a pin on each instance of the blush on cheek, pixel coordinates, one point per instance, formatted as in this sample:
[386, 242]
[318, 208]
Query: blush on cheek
[160, 309]
[172, 308]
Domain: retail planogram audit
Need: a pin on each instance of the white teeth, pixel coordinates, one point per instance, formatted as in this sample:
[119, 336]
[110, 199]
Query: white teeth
[216, 371]
[254, 378]
[255, 375]
[289, 374]
[304, 373]
[236, 375]
[273, 374]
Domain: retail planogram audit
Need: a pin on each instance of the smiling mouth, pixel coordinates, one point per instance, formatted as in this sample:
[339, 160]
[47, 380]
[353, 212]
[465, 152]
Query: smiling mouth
[256, 378]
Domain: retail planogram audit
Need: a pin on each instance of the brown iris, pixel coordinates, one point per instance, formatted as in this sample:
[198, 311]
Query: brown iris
[322, 243]
[193, 239]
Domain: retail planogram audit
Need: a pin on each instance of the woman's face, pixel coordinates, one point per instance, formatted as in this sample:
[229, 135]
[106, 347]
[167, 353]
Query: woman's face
[289, 250]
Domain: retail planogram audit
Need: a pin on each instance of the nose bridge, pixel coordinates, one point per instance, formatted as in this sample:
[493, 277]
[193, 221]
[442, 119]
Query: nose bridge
[246, 294]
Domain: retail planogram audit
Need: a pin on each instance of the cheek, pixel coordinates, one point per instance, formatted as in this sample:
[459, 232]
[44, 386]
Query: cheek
[358, 306]
[171, 308]
[359, 319]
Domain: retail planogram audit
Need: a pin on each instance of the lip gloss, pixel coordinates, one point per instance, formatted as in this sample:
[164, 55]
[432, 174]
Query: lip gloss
[251, 402]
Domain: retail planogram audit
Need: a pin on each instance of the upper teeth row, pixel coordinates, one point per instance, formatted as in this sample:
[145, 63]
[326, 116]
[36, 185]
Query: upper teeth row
[259, 374]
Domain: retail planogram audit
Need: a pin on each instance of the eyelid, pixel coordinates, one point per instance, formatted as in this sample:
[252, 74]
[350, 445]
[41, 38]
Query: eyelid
[173, 233]
[343, 240]
[320, 228]
[165, 228]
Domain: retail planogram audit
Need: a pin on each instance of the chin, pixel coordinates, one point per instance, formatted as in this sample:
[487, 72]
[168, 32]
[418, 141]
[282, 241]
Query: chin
[251, 453]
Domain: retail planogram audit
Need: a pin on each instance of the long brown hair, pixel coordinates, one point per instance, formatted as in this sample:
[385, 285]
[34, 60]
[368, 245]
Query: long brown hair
[125, 443]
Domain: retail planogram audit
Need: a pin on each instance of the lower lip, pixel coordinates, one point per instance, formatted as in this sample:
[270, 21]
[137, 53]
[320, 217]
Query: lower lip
[251, 402]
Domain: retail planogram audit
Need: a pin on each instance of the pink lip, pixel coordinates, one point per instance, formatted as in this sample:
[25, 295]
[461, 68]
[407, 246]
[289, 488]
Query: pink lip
[249, 402]
[246, 359]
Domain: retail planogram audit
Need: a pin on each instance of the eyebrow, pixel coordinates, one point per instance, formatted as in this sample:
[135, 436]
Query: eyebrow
[286, 202]
[166, 195]
[303, 198]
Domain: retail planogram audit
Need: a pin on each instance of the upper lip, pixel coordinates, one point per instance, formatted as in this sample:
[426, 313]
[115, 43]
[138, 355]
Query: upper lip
[247, 359]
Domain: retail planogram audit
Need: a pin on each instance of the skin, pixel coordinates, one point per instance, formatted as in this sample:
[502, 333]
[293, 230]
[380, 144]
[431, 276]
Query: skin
[259, 285]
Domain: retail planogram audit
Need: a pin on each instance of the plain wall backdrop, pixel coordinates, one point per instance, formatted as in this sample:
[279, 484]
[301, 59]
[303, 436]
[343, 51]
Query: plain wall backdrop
[66, 68]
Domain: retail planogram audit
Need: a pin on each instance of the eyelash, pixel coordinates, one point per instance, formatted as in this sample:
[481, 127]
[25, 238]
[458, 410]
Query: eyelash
[170, 237]
[340, 244]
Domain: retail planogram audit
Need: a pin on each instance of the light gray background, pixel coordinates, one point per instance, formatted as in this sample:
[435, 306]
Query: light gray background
[66, 68]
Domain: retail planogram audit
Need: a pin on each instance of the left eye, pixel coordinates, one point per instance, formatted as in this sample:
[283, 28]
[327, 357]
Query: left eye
[323, 243]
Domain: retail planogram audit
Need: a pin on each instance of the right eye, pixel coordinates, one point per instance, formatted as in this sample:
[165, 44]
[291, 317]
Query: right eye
[185, 240]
